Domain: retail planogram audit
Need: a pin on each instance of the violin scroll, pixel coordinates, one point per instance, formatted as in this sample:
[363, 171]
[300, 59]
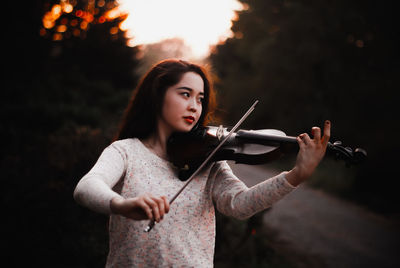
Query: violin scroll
[350, 156]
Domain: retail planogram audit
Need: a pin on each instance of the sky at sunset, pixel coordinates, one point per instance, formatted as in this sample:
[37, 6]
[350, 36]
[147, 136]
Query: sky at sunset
[200, 23]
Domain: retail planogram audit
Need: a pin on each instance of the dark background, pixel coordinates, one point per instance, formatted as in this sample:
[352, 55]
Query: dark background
[305, 61]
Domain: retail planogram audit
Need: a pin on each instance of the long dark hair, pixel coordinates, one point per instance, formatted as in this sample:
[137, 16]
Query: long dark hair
[140, 117]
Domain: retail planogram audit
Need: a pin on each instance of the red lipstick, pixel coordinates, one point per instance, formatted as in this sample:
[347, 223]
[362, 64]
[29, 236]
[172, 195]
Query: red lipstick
[189, 119]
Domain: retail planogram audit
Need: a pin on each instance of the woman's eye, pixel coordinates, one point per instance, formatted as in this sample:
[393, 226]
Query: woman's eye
[186, 94]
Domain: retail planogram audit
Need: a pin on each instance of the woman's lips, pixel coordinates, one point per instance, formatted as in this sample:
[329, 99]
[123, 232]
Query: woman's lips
[189, 119]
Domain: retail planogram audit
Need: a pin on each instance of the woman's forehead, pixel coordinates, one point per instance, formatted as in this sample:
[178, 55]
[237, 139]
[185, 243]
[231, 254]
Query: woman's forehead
[191, 81]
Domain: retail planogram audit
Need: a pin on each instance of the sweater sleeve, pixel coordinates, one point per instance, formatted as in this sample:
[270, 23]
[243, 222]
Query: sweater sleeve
[94, 190]
[233, 198]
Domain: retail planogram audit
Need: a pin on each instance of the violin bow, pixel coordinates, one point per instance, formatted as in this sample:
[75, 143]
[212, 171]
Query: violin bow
[152, 222]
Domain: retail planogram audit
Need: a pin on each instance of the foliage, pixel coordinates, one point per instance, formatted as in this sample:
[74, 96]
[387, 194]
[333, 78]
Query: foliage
[308, 61]
[60, 108]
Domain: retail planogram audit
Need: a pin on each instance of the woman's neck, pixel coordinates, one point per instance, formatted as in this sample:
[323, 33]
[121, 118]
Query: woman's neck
[157, 143]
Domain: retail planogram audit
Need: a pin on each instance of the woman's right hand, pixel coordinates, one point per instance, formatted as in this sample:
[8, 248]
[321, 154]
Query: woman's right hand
[143, 207]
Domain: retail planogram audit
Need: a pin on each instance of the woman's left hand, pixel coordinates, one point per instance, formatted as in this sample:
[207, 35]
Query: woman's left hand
[310, 154]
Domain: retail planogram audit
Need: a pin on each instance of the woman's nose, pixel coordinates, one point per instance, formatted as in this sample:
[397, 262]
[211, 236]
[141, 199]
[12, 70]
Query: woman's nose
[192, 105]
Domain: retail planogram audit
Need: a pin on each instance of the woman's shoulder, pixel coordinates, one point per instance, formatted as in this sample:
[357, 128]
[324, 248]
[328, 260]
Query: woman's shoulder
[124, 142]
[125, 145]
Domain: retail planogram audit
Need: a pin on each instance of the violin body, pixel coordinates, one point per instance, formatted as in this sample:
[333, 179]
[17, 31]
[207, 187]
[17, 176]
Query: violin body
[253, 147]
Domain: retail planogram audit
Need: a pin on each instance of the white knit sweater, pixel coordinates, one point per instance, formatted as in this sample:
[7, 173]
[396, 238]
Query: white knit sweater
[186, 235]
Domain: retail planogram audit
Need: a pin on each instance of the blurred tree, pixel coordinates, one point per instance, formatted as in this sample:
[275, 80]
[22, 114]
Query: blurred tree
[169, 48]
[65, 93]
[310, 60]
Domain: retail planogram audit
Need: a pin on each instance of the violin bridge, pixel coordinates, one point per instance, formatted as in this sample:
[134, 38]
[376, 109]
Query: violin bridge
[220, 132]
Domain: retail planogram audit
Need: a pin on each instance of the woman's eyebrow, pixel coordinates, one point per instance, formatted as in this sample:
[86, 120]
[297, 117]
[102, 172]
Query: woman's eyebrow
[189, 89]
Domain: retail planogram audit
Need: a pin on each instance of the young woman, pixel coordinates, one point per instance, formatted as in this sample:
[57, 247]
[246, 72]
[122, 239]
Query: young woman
[133, 180]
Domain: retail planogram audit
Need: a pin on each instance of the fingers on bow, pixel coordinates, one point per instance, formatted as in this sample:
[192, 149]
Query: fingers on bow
[156, 207]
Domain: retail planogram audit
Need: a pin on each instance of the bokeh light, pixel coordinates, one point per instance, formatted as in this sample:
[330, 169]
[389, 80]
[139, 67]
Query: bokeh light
[73, 18]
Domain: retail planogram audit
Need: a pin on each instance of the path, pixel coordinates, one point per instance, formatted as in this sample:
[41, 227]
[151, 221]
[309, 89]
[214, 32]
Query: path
[337, 232]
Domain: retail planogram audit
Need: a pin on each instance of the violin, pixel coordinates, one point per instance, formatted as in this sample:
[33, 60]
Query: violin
[252, 147]
[191, 151]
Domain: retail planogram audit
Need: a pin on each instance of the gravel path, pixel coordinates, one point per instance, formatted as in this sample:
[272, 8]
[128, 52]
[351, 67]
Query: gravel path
[321, 226]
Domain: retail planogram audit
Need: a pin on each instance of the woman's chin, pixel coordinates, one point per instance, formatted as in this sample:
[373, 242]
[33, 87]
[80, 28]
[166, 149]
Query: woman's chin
[185, 128]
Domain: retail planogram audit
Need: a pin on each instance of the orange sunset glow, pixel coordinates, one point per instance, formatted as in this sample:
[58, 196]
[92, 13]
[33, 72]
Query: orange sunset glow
[200, 24]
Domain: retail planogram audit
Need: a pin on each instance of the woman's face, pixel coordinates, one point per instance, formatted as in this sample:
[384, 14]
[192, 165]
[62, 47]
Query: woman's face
[182, 104]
